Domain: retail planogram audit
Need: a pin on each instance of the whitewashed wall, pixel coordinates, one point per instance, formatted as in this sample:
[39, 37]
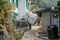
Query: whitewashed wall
[21, 8]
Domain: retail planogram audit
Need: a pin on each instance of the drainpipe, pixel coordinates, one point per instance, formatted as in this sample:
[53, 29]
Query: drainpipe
[17, 3]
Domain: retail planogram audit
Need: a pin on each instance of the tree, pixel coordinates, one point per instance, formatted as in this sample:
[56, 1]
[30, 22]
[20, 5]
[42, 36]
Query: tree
[4, 6]
[48, 3]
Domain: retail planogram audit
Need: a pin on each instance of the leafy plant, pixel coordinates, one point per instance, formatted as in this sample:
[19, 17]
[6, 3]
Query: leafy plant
[48, 3]
[4, 6]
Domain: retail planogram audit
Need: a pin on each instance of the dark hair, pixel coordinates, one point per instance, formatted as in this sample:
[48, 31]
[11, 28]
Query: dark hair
[39, 13]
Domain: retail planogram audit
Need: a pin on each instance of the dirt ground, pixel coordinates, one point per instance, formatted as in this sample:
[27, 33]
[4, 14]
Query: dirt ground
[30, 34]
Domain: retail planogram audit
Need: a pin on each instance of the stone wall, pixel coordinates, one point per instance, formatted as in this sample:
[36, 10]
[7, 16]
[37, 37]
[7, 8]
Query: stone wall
[45, 21]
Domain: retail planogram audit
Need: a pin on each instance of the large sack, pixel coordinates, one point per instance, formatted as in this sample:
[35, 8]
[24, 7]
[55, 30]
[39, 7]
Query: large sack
[31, 17]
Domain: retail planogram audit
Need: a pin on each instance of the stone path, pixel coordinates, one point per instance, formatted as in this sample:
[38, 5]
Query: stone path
[29, 35]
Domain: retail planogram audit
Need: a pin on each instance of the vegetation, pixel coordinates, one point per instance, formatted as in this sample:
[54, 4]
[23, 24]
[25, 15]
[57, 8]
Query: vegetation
[48, 3]
[6, 22]
[4, 6]
[42, 4]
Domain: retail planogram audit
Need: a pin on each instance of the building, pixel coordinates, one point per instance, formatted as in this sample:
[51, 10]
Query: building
[21, 7]
[16, 2]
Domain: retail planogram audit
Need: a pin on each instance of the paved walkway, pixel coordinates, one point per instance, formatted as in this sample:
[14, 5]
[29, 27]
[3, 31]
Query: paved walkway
[29, 35]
